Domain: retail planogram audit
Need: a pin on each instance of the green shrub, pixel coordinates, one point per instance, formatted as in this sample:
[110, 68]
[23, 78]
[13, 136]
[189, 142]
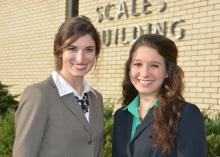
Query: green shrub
[7, 133]
[212, 134]
[7, 100]
[108, 120]
[213, 143]
[212, 124]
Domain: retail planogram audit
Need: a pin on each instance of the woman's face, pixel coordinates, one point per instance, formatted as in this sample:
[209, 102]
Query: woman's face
[78, 59]
[147, 71]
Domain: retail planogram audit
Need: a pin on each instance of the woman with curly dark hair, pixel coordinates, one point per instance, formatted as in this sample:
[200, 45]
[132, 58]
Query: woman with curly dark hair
[155, 120]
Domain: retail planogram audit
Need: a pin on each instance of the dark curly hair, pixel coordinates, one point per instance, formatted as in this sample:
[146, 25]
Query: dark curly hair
[167, 115]
[69, 32]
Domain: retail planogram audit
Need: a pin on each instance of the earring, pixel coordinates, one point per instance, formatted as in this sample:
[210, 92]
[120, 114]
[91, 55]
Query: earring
[166, 87]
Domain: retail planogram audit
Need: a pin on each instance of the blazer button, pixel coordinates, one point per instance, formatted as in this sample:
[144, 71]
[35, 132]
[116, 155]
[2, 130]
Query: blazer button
[89, 141]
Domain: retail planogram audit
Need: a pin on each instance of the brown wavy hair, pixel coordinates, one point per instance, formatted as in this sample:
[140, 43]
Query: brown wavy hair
[167, 115]
[71, 30]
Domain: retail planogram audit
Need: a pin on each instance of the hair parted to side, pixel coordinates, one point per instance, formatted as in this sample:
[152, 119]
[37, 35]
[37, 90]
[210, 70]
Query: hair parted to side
[167, 114]
[71, 30]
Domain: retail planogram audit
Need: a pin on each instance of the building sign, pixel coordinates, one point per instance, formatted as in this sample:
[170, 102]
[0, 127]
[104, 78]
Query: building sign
[118, 35]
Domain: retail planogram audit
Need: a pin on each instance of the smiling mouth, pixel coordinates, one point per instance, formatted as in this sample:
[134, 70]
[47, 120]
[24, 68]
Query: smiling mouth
[80, 66]
[145, 82]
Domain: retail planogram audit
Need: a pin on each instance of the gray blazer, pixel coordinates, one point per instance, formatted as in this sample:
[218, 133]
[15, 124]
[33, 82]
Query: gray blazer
[48, 125]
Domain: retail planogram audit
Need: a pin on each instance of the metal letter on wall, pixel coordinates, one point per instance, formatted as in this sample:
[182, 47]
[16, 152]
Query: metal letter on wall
[162, 6]
[178, 33]
[160, 28]
[149, 28]
[106, 37]
[116, 36]
[136, 29]
[99, 14]
[122, 9]
[107, 11]
[144, 8]
[124, 36]
[133, 13]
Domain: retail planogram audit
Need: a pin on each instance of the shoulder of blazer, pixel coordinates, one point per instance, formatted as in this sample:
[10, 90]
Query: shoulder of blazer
[41, 88]
[191, 136]
[122, 114]
[43, 84]
[191, 117]
[96, 93]
[190, 109]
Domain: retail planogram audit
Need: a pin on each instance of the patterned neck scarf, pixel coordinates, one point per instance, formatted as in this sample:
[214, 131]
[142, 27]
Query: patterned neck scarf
[84, 103]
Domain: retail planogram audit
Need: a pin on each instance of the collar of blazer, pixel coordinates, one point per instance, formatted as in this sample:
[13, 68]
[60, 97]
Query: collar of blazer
[65, 88]
[144, 124]
[69, 100]
[71, 103]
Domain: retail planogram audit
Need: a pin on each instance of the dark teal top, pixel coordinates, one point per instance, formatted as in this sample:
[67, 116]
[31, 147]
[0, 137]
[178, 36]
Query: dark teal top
[133, 109]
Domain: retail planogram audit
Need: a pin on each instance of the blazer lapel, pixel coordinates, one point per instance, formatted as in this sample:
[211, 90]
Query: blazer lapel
[144, 124]
[71, 103]
[128, 122]
[92, 110]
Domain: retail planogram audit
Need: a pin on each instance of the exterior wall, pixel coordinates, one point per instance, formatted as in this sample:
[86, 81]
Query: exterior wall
[27, 30]
[199, 49]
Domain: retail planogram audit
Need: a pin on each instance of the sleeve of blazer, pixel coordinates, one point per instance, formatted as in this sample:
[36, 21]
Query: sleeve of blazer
[118, 147]
[31, 119]
[191, 139]
[114, 138]
[101, 152]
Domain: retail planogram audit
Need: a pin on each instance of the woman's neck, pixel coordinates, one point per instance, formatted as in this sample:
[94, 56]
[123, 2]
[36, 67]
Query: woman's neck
[76, 83]
[78, 86]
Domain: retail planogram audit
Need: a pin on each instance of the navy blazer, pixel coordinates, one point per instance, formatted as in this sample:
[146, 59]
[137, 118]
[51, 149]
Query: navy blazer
[190, 140]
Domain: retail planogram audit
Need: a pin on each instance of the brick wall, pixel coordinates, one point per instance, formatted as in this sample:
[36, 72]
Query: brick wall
[27, 30]
[199, 49]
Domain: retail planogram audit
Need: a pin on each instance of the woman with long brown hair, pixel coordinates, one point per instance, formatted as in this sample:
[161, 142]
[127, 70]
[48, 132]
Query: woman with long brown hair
[155, 120]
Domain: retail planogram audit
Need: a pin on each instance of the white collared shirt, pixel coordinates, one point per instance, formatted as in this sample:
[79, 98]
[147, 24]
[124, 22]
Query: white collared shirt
[65, 88]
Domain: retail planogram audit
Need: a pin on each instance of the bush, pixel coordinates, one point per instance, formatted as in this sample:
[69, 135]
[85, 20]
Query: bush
[212, 134]
[7, 100]
[108, 121]
[213, 143]
[7, 133]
